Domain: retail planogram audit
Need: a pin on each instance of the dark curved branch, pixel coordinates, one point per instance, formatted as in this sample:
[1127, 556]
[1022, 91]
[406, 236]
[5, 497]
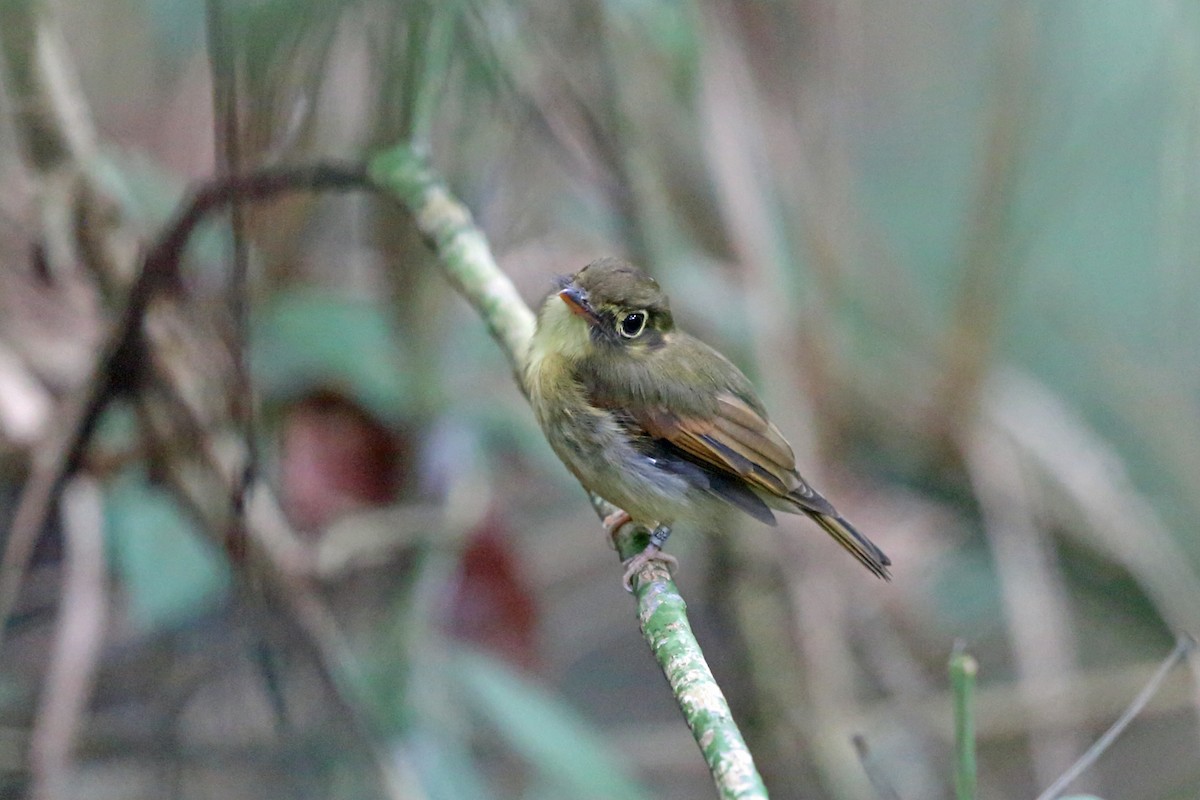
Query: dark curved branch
[118, 365]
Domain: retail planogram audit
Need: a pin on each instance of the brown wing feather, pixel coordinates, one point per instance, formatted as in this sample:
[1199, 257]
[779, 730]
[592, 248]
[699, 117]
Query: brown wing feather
[685, 433]
[737, 440]
[743, 444]
[736, 413]
[763, 448]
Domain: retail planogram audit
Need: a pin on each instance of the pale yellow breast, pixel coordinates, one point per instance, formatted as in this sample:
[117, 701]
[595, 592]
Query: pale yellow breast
[561, 338]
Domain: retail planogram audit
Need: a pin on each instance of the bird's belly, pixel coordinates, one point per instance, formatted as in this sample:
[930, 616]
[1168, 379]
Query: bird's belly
[600, 454]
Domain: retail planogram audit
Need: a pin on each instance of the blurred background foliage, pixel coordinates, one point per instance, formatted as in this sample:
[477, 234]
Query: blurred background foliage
[954, 243]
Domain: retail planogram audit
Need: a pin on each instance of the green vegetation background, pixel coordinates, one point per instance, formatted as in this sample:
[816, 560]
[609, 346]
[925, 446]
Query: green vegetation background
[955, 243]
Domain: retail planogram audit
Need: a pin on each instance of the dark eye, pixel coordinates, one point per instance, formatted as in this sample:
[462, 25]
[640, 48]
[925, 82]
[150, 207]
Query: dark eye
[632, 324]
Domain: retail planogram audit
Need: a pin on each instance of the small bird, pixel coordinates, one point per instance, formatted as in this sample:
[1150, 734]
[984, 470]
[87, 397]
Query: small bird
[657, 422]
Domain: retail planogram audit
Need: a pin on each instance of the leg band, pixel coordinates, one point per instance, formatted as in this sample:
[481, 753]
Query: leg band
[658, 537]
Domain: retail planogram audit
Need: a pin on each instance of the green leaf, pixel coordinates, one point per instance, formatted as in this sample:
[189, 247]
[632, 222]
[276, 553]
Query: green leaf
[445, 767]
[543, 729]
[308, 340]
[168, 569]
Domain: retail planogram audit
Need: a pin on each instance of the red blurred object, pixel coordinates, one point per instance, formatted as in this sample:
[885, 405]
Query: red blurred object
[336, 458]
[493, 606]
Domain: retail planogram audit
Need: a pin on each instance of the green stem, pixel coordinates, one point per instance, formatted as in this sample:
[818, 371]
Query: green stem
[963, 669]
[461, 249]
[462, 252]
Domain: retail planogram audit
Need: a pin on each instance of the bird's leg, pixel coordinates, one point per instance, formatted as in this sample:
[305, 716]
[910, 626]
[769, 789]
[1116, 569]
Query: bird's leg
[653, 552]
[613, 522]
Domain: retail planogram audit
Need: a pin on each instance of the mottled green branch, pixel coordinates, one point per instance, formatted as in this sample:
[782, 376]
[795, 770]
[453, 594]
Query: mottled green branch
[461, 249]
[662, 615]
[464, 255]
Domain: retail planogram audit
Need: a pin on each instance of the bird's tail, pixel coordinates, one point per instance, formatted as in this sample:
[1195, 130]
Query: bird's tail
[859, 546]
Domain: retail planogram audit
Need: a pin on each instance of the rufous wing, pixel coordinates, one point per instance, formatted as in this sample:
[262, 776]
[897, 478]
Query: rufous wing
[737, 440]
[741, 444]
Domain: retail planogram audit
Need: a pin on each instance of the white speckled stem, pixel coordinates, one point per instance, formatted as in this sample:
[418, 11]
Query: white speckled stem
[464, 256]
[461, 249]
[663, 617]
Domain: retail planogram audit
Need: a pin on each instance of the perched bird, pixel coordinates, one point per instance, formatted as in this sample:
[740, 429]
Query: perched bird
[657, 422]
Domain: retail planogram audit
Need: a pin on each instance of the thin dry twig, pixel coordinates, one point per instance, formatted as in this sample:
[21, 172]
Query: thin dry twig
[119, 365]
[83, 612]
[1184, 645]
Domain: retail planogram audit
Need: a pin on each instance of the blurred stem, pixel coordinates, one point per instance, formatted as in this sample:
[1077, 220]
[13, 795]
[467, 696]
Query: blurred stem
[412, 648]
[990, 266]
[82, 619]
[464, 256]
[412, 61]
[757, 220]
[224, 63]
[622, 148]
[50, 114]
[411, 54]
[963, 669]
[430, 44]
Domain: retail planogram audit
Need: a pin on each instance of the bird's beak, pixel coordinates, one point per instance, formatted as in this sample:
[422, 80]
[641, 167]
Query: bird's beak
[576, 300]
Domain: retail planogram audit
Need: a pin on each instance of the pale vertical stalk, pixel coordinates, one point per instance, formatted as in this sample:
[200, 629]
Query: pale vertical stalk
[1036, 604]
[82, 616]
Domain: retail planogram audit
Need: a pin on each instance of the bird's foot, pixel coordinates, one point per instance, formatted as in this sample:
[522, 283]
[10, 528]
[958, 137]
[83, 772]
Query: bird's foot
[615, 520]
[635, 565]
[653, 552]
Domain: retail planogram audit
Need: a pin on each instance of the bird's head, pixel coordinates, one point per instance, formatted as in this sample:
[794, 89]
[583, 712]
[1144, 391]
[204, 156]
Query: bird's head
[609, 305]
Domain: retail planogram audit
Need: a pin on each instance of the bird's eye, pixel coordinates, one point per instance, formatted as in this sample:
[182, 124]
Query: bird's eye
[632, 324]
